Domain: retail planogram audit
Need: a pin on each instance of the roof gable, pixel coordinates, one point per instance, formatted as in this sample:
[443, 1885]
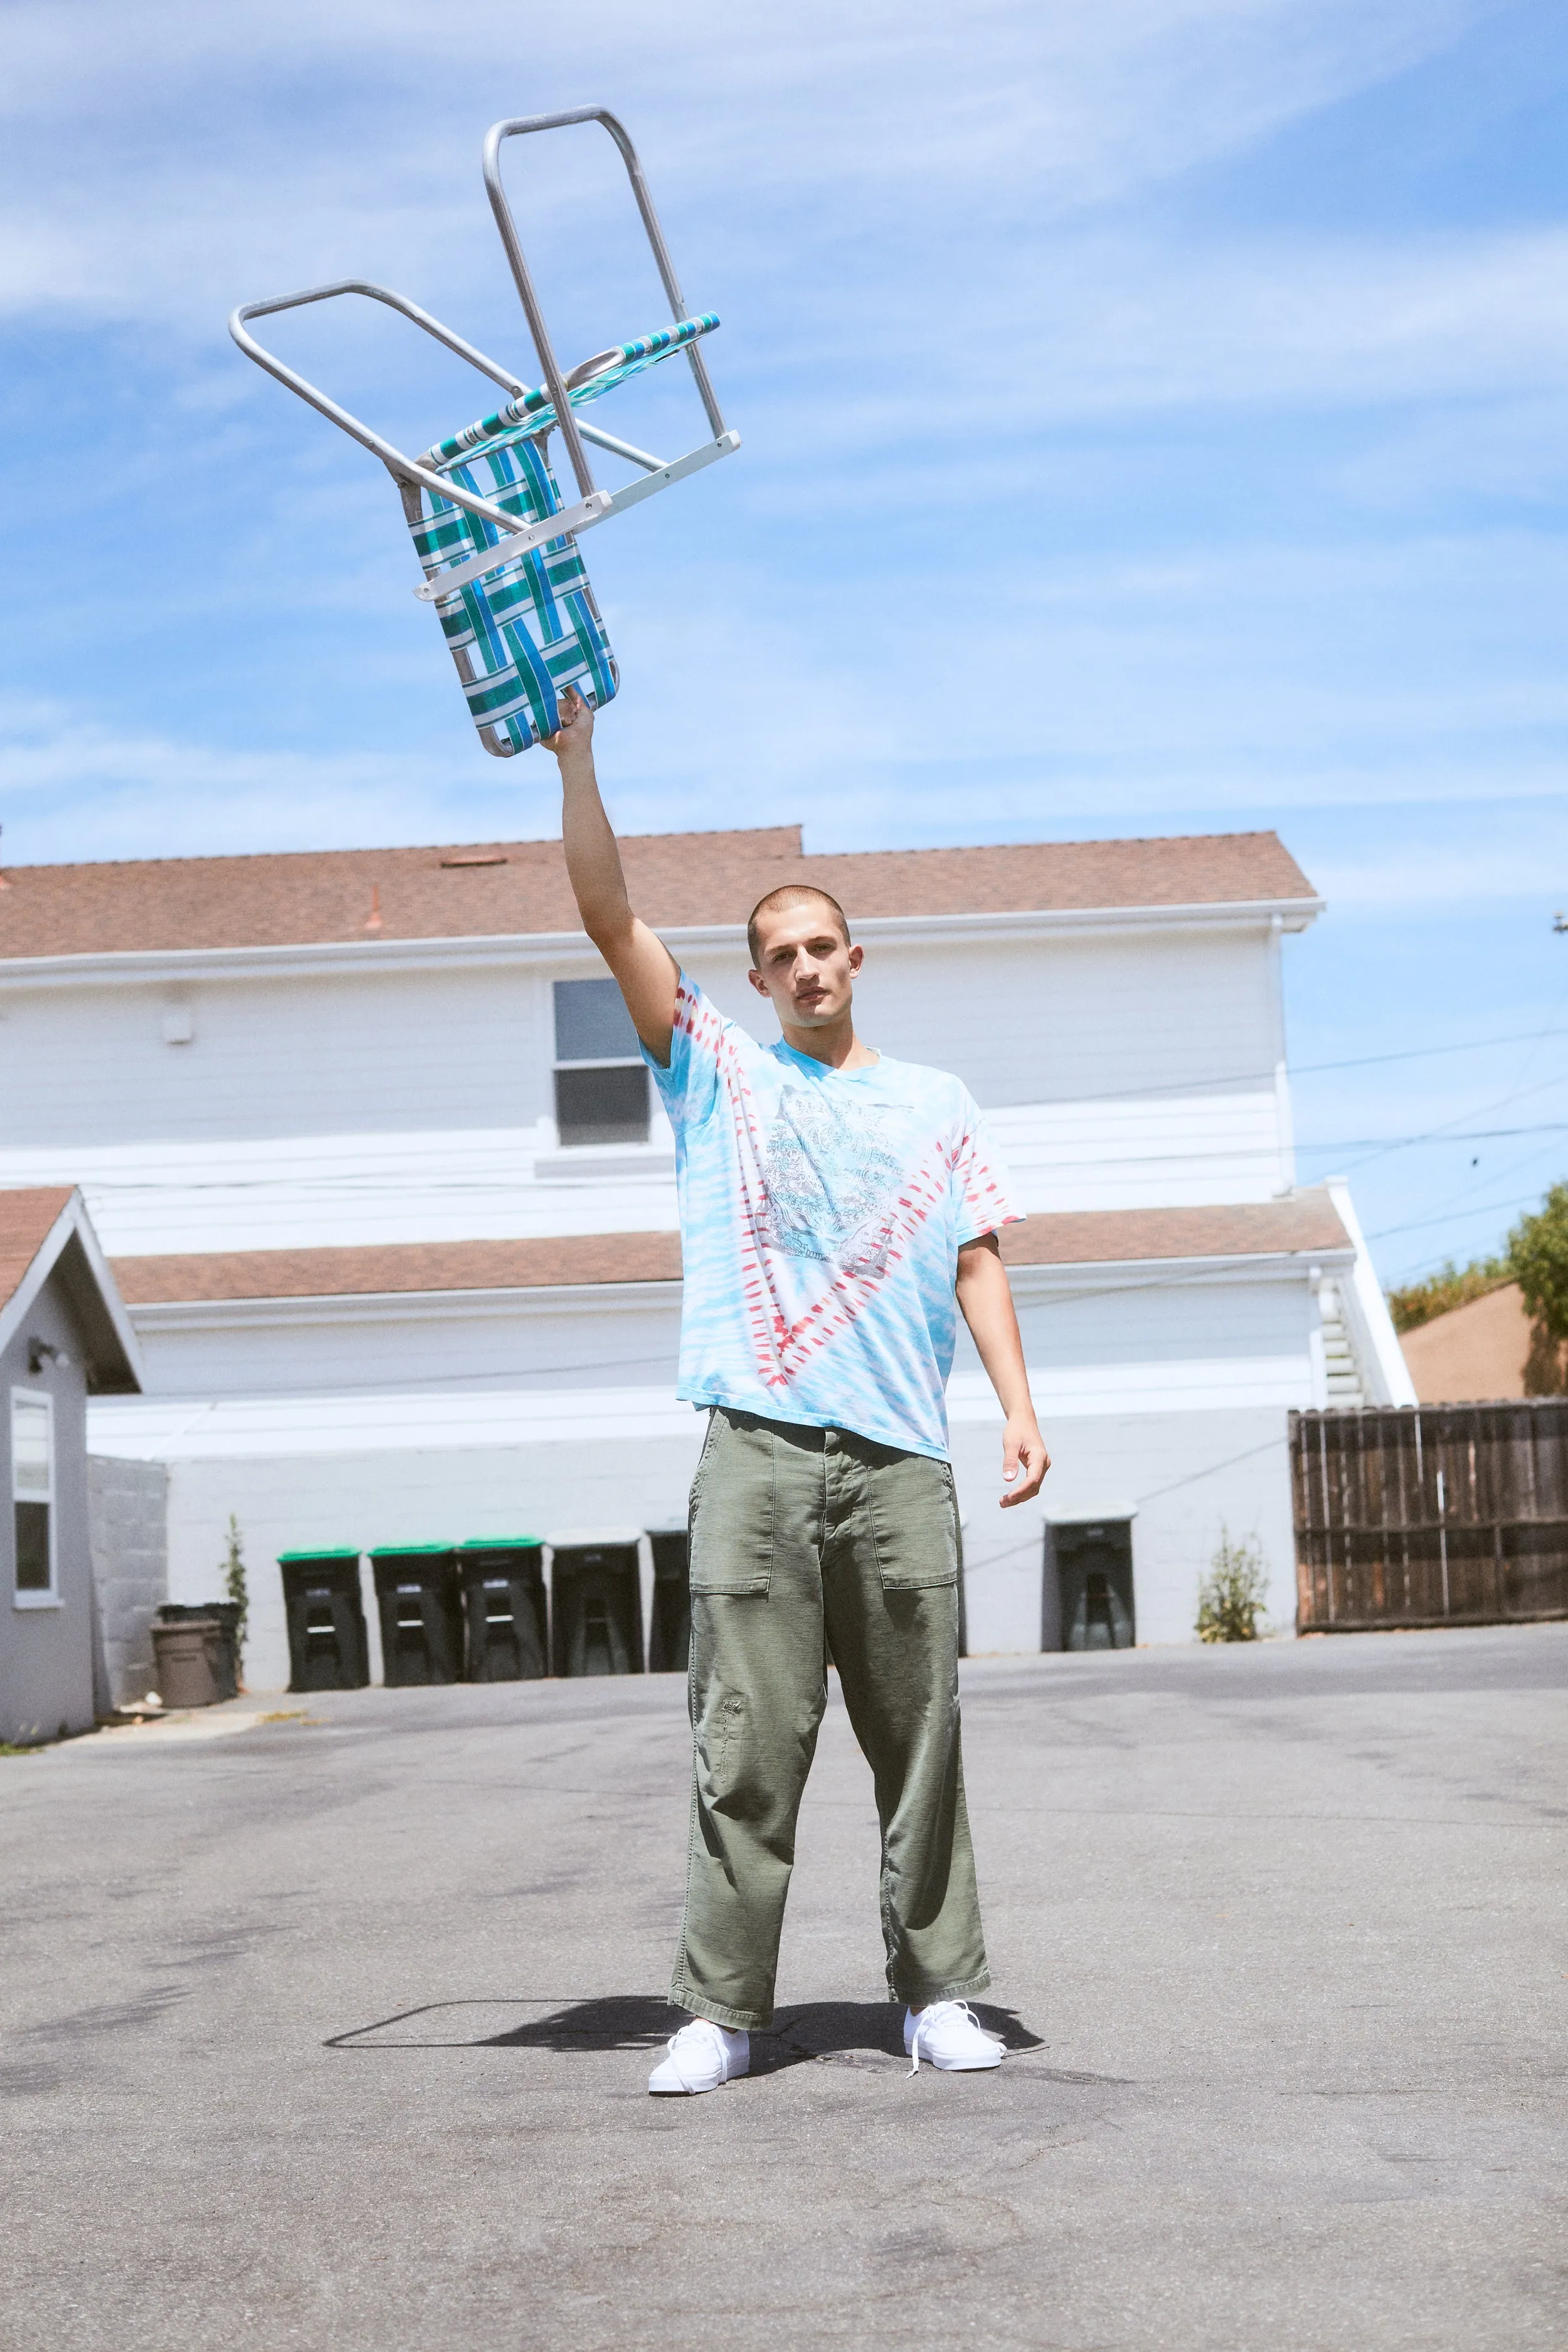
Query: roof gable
[46, 1234]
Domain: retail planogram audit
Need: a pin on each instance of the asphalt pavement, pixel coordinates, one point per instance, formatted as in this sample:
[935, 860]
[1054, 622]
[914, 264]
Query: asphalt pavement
[333, 2029]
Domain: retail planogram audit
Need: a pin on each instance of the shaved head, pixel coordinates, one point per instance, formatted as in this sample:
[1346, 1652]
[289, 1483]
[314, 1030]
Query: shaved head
[791, 893]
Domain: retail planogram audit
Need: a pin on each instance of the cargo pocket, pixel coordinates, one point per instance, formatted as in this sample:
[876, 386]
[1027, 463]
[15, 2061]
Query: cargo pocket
[732, 1506]
[913, 1512]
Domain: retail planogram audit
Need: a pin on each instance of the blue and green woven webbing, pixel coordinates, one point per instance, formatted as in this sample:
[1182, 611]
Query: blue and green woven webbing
[524, 633]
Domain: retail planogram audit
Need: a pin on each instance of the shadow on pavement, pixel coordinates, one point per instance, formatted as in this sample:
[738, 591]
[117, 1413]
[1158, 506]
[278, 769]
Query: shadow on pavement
[852, 2031]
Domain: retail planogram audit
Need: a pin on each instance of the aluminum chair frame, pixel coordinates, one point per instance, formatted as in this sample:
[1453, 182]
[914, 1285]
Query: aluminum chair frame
[593, 505]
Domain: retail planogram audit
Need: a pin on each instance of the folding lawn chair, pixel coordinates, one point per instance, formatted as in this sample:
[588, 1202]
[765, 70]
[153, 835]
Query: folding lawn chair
[497, 543]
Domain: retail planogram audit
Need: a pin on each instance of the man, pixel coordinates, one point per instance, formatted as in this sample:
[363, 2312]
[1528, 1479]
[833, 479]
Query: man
[834, 1207]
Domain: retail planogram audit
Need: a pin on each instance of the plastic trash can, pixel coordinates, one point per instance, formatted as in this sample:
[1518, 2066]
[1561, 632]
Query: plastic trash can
[225, 1614]
[595, 1608]
[195, 1652]
[1094, 1563]
[421, 1613]
[328, 1649]
[502, 1580]
[669, 1636]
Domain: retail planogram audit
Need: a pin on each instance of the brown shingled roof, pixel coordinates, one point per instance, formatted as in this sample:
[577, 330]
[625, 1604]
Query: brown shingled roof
[393, 1267]
[676, 879]
[27, 1219]
[1099, 1236]
[1308, 1221]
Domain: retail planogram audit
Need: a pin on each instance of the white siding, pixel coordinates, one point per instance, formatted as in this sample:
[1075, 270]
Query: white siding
[548, 1342]
[323, 1054]
[342, 1191]
[1118, 1072]
[1097, 1339]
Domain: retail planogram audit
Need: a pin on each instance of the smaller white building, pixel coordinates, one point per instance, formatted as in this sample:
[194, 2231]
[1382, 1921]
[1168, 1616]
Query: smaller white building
[393, 1206]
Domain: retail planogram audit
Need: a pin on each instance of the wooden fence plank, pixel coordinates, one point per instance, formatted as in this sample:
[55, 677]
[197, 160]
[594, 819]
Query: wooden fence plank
[1430, 1513]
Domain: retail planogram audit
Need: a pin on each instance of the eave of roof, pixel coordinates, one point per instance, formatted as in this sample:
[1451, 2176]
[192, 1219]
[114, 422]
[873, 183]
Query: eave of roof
[378, 900]
[1305, 1225]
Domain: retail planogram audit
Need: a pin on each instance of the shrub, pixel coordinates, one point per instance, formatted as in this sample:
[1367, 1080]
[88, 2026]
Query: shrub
[1538, 1261]
[1231, 1597]
[1415, 1303]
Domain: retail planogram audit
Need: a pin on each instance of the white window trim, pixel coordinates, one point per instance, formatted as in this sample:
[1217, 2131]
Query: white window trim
[50, 1597]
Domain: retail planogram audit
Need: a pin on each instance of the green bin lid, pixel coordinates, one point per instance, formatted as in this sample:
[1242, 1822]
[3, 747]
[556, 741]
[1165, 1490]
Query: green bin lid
[411, 1552]
[502, 1543]
[320, 1551]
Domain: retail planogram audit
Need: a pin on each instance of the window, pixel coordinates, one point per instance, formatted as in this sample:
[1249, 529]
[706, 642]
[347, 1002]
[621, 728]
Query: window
[601, 1079]
[33, 1491]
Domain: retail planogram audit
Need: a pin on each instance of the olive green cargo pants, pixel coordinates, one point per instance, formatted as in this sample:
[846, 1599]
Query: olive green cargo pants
[805, 1540]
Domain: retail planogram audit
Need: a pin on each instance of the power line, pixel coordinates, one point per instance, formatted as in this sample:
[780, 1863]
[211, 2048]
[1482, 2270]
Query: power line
[391, 1188]
[1481, 1209]
[1421, 1053]
[1433, 1135]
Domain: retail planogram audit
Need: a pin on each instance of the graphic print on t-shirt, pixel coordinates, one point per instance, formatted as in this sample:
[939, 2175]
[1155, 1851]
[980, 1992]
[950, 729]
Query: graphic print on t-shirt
[829, 1180]
[821, 1214]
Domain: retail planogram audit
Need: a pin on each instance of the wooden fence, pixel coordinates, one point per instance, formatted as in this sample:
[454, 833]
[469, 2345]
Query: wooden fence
[1430, 1514]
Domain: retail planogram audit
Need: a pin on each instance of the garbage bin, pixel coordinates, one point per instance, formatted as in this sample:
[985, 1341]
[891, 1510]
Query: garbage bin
[669, 1636]
[596, 1609]
[502, 1577]
[421, 1613]
[327, 1645]
[195, 1651]
[1094, 1565]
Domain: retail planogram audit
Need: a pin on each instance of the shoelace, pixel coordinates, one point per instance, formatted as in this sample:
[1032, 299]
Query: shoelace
[712, 2033]
[963, 2006]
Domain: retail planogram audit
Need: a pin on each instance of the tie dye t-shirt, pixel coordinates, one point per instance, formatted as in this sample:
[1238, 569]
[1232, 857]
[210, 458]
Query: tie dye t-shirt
[821, 1216]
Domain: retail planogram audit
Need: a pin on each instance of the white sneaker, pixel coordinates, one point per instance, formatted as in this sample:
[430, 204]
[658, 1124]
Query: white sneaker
[951, 2036]
[699, 2058]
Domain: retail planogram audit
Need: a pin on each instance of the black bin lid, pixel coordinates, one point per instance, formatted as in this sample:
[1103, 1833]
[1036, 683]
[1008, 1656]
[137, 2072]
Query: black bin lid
[619, 1558]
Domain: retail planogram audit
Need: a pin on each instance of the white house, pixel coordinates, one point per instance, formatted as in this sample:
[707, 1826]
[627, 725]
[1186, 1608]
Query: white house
[393, 1208]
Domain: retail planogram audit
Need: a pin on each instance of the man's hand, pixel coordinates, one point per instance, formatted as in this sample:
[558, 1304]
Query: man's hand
[576, 733]
[1025, 1461]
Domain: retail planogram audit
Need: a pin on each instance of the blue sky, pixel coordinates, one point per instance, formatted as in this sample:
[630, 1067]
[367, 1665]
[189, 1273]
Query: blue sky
[1155, 417]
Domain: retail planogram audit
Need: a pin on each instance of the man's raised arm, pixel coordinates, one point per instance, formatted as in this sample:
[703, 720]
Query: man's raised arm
[644, 967]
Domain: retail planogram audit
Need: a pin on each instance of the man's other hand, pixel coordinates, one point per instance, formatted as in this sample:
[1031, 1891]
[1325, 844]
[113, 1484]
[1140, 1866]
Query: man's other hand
[1025, 1461]
[576, 733]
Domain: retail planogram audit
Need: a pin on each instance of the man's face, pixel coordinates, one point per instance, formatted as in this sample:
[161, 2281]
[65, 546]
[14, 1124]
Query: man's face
[807, 967]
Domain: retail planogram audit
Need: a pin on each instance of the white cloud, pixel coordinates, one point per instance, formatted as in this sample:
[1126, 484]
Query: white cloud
[164, 162]
[105, 793]
[1522, 865]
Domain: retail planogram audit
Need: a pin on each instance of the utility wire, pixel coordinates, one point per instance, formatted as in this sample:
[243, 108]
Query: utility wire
[389, 1188]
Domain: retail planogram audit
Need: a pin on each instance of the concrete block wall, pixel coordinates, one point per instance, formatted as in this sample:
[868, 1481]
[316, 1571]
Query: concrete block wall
[127, 1534]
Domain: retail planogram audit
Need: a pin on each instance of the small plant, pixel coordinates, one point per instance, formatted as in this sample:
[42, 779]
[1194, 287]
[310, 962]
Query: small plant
[232, 1565]
[1231, 1597]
